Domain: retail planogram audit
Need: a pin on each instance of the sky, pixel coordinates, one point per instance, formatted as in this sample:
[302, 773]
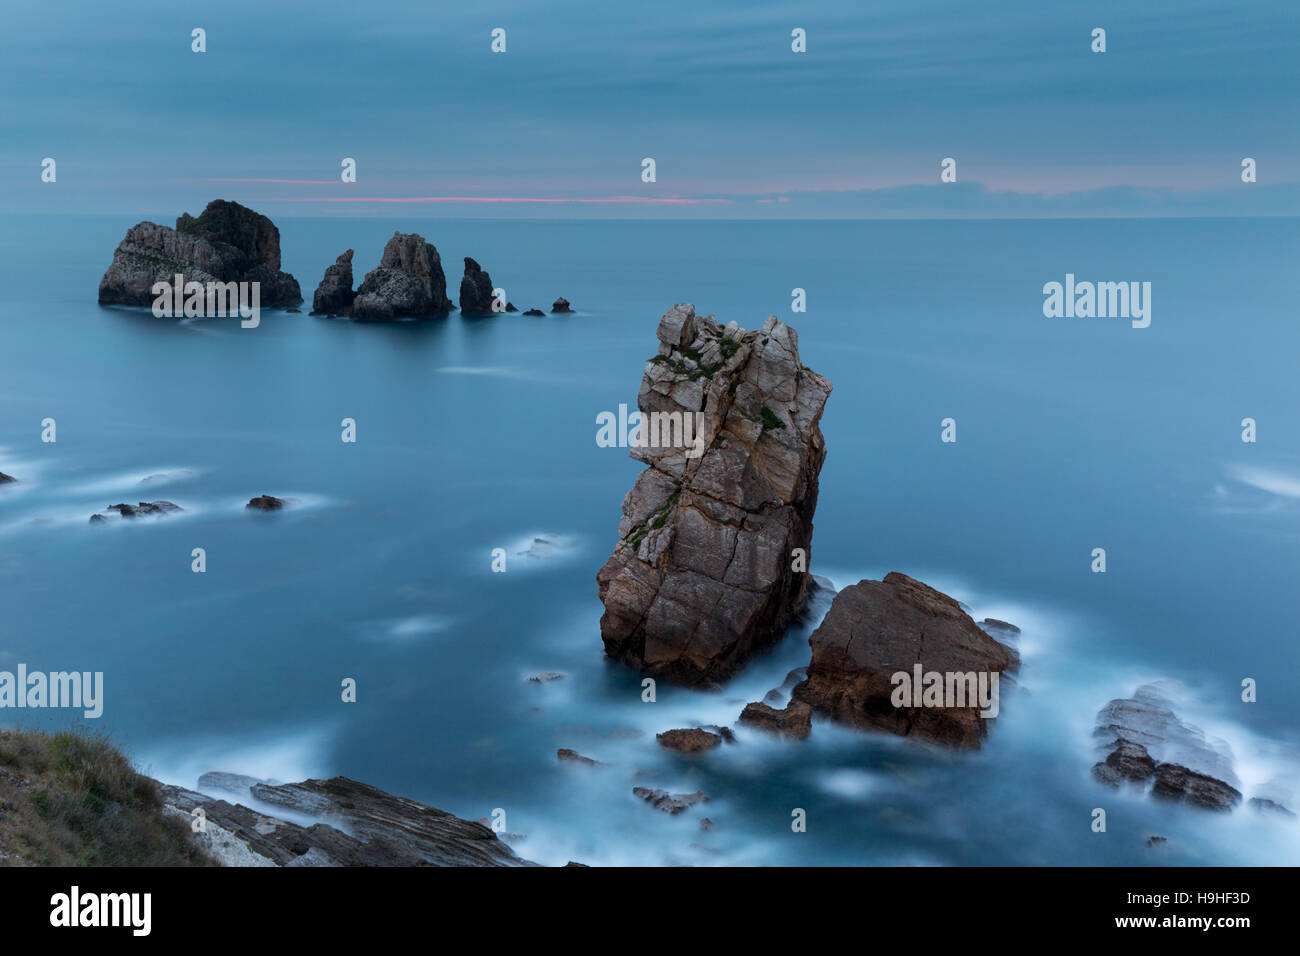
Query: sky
[738, 124]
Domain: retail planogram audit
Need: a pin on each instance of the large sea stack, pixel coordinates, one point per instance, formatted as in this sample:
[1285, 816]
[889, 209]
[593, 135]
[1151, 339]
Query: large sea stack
[227, 243]
[409, 283]
[706, 571]
[877, 629]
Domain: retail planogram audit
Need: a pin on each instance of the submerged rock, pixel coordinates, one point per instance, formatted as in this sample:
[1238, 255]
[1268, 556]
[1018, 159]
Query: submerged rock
[359, 825]
[875, 630]
[334, 295]
[408, 283]
[673, 803]
[475, 290]
[143, 508]
[706, 572]
[543, 677]
[534, 312]
[690, 741]
[572, 756]
[5, 479]
[265, 503]
[1147, 744]
[226, 243]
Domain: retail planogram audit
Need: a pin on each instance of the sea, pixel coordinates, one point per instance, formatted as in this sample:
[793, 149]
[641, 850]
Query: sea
[477, 434]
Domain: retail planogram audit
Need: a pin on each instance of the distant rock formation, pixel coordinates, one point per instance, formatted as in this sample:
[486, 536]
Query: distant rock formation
[534, 312]
[1148, 745]
[265, 503]
[5, 479]
[561, 305]
[876, 629]
[334, 295]
[359, 825]
[706, 571]
[226, 243]
[475, 290]
[408, 283]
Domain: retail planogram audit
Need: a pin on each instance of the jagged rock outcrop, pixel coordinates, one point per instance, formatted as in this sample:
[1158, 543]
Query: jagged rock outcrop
[334, 295]
[876, 629]
[265, 503]
[408, 283]
[5, 479]
[534, 312]
[561, 305]
[475, 290]
[359, 825]
[705, 571]
[1147, 744]
[226, 243]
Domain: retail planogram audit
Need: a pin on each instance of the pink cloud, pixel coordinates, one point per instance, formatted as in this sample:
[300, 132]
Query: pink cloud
[664, 200]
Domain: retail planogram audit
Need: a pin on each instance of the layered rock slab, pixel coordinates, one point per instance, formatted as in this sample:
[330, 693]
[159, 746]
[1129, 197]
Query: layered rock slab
[706, 571]
[358, 825]
[1147, 744]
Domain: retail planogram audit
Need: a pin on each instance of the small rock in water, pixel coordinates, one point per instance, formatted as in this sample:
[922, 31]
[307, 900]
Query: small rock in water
[572, 756]
[1263, 804]
[143, 508]
[706, 824]
[542, 677]
[96, 517]
[794, 721]
[999, 629]
[689, 741]
[1156, 841]
[265, 503]
[673, 803]
[561, 305]
[534, 312]
[5, 479]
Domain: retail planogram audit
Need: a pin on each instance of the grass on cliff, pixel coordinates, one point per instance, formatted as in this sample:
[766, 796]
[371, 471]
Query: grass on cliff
[71, 799]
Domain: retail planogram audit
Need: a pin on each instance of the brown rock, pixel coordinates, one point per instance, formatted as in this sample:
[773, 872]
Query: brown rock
[689, 741]
[876, 629]
[572, 756]
[702, 576]
[793, 721]
[265, 503]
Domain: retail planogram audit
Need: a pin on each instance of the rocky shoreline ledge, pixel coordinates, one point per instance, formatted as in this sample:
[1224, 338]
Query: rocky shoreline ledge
[353, 824]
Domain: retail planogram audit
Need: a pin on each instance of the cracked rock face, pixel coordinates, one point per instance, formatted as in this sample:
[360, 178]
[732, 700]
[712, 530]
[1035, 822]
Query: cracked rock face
[875, 629]
[408, 283]
[226, 243]
[704, 575]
